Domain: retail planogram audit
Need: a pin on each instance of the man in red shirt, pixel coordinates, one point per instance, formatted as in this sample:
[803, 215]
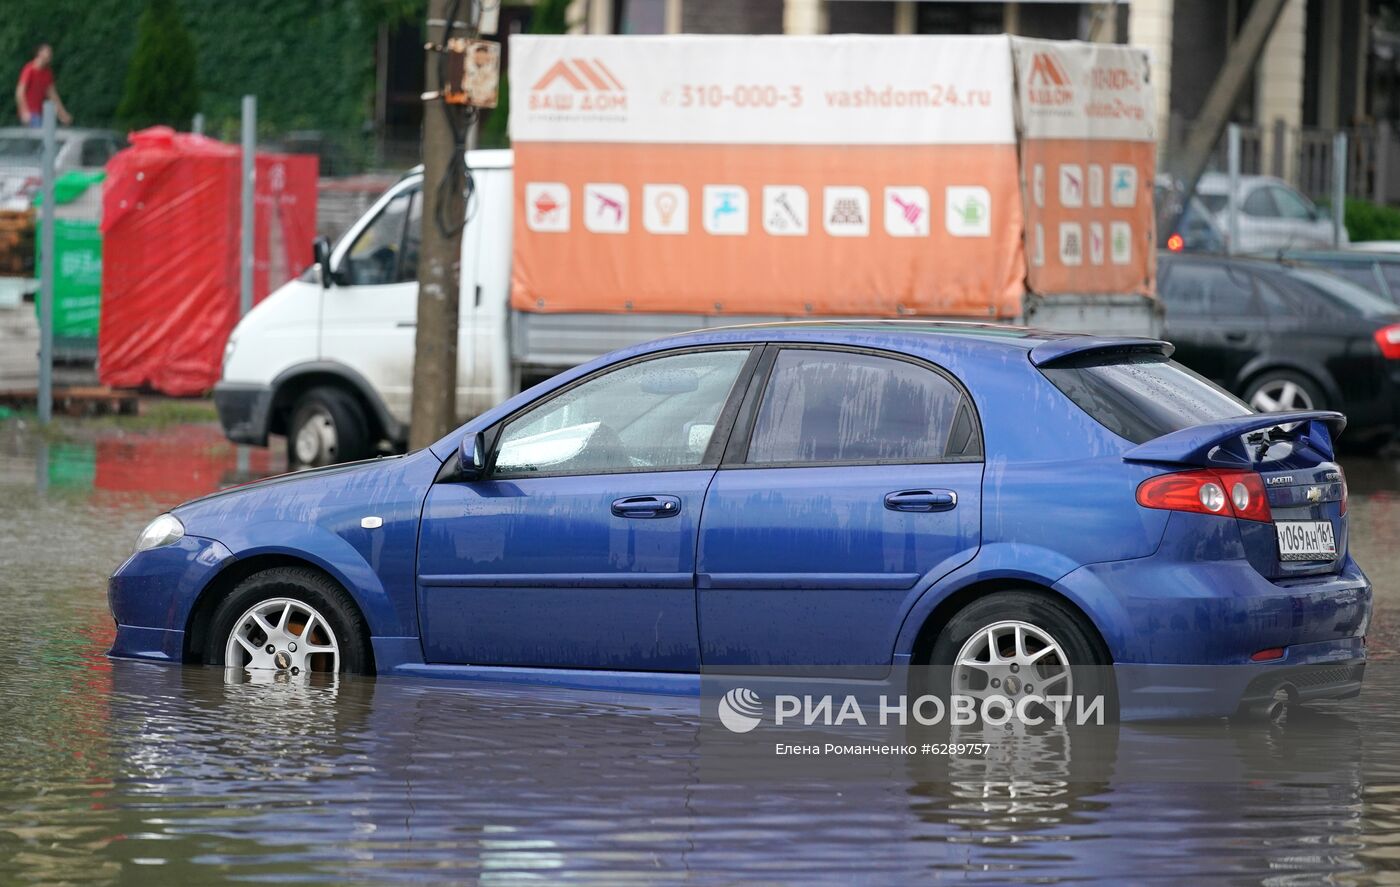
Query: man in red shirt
[36, 85]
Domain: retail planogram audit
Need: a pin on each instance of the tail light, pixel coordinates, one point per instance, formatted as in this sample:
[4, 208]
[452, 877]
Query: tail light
[1208, 491]
[1388, 337]
[1176, 243]
[1343, 477]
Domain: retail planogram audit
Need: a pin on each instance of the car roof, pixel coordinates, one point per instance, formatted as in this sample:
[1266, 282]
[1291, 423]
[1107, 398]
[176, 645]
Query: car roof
[1219, 182]
[924, 336]
[1336, 256]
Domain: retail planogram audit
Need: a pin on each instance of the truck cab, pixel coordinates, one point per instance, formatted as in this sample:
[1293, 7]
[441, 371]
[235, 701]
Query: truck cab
[327, 359]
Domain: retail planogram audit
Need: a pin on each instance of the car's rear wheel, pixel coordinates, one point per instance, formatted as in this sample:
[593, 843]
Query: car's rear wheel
[328, 426]
[1276, 391]
[1017, 644]
[288, 619]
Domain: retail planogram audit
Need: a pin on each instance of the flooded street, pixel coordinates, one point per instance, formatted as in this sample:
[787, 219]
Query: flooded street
[118, 772]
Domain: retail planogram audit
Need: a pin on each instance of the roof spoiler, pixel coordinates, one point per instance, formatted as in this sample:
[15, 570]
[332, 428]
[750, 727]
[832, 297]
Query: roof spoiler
[1221, 444]
[1060, 350]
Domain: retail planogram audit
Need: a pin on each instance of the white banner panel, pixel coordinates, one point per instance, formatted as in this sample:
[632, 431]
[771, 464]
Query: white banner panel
[838, 90]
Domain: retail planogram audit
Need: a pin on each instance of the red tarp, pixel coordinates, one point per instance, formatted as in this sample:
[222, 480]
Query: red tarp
[170, 223]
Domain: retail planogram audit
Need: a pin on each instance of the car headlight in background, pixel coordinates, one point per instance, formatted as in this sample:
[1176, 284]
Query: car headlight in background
[162, 531]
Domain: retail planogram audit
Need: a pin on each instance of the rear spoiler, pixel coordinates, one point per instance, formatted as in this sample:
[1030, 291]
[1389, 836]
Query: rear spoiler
[1221, 444]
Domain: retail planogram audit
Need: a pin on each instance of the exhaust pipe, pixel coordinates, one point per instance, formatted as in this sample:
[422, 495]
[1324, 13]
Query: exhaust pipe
[1274, 709]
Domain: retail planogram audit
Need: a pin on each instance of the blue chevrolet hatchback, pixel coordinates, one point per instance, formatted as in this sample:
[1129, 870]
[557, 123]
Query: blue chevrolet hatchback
[828, 497]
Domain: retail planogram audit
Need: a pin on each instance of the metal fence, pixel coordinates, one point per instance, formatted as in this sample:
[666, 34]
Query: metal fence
[1304, 157]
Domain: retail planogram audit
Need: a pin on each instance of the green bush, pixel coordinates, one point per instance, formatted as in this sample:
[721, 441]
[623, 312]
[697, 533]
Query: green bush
[161, 86]
[1369, 221]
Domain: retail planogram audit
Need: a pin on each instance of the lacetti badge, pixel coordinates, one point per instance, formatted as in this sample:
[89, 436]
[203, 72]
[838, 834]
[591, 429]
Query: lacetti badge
[1048, 82]
[578, 85]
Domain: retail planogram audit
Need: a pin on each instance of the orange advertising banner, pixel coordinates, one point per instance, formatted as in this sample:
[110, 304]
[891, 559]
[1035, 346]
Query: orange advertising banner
[1086, 121]
[857, 176]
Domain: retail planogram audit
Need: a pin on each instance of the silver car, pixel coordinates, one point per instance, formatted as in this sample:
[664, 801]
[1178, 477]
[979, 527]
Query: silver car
[22, 154]
[1272, 214]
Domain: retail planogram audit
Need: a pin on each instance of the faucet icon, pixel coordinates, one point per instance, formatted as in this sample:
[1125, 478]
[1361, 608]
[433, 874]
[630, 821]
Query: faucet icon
[725, 206]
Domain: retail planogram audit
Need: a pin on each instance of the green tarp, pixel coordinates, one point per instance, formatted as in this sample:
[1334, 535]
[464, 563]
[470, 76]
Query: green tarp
[77, 286]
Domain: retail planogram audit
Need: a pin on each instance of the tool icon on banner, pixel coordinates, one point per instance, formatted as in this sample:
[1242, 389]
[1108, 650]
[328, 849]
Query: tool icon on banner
[605, 210]
[910, 211]
[969, 211]
[1071, 185]
[906, 211]
[547, 206]
[609, 205]
[785, 210]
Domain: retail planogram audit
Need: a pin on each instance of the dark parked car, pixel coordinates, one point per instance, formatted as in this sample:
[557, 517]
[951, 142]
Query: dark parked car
[1287, 337]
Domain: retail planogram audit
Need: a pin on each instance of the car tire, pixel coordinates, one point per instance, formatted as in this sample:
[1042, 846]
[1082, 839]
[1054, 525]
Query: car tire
[1276, 390]
[308, 592]
[1048, 616]
[328, 426]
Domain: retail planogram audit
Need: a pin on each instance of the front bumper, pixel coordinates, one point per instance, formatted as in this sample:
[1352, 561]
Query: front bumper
[245, 411]
[152, 594]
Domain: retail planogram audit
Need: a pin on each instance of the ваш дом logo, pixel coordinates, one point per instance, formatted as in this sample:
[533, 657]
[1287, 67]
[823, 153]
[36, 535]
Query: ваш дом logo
[578, 85]
[1048, 82]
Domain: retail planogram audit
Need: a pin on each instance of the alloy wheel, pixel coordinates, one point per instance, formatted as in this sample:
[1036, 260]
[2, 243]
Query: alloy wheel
[1014, 660]
[316, 439]
[282, 634]
[1278, 395]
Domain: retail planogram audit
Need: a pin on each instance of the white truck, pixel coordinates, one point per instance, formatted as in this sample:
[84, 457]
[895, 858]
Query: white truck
[327, 360]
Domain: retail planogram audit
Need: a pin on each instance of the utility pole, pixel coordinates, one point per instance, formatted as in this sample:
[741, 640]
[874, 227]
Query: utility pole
[434, 410]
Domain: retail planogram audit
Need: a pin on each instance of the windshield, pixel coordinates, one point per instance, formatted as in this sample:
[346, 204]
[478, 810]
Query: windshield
[1144, 396]
[24, 147]
[1214, 202]
[1344, 294]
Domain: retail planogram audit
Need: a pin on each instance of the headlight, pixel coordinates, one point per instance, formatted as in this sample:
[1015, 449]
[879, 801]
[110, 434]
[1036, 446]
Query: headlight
[161, 531]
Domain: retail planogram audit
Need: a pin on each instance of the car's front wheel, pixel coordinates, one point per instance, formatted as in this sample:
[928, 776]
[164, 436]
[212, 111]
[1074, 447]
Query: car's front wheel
[288, 619]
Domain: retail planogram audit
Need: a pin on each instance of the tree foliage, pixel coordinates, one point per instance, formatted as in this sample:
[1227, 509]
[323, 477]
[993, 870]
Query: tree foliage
[161, 83]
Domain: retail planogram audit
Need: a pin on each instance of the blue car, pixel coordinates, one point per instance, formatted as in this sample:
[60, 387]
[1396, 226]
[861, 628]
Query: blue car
[846, 499]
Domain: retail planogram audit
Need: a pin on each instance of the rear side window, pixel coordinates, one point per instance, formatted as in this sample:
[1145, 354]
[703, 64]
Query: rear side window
[1143, 397]
[1208, 288]
[841, 407]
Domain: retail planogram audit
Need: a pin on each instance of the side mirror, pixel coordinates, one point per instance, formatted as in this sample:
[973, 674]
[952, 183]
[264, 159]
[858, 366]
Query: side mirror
[321, 255]
[471, 457]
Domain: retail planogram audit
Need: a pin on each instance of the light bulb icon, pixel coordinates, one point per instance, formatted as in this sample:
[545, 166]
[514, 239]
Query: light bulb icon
[666, 206]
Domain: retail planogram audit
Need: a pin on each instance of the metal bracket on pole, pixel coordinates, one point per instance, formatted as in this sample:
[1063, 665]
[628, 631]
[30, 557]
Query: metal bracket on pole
[1339, 188]
[47, 266]
[1233, 158]
[245, 251]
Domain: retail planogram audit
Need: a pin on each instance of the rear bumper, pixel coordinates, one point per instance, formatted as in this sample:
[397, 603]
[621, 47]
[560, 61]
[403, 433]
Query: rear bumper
[1307, 673]
[244, 411]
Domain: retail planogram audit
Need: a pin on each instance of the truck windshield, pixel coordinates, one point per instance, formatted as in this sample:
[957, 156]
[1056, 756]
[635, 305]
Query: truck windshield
[1143, 396]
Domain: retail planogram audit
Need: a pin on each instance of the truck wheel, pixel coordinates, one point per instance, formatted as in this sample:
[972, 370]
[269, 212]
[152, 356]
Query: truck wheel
[328, 426]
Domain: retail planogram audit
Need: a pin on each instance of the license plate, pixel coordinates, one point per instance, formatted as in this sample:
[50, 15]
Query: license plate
[1305, 540]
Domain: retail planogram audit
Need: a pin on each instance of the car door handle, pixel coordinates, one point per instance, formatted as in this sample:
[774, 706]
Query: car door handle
[1236, 337]
[921, 500]
[647, 506]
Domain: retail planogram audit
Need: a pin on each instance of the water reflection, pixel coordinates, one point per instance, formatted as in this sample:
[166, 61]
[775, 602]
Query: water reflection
[134, 773]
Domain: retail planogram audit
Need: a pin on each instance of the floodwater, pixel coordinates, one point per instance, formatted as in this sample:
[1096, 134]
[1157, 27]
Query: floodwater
[122, 773]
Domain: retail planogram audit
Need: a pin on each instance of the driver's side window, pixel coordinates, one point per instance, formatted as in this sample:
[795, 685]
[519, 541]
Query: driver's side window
[654, 415]
[387, 250]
